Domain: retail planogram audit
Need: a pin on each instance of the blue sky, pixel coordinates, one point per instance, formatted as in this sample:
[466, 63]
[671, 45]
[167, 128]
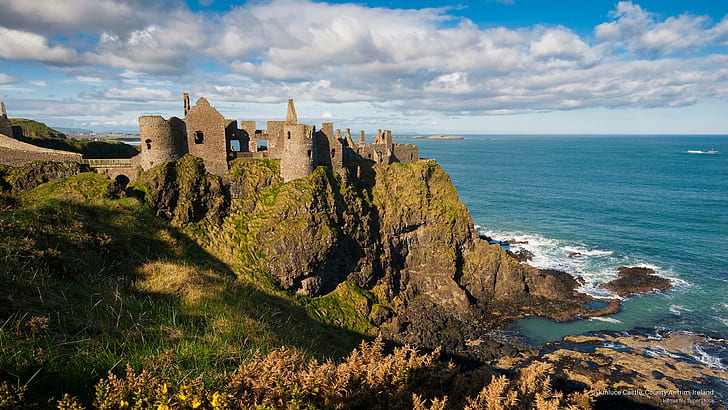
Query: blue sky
[488, 66]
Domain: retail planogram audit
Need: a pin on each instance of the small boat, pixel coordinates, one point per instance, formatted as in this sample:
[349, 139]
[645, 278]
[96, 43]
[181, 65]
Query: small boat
[712, 151]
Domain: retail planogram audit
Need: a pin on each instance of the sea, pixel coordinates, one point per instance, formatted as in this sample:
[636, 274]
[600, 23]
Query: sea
[616, 200]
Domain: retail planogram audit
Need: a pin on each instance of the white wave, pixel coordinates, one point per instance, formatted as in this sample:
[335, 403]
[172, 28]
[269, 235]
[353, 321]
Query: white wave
[658, 351]
[678, 309]
[597, 292]
[707, 359]
[605, 319]
[578, 251]
[595, 266]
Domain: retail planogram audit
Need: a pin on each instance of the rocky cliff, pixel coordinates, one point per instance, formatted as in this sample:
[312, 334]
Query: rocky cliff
[399, 233]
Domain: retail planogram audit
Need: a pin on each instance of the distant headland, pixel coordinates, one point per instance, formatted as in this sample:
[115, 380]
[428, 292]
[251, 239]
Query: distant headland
[437, 137]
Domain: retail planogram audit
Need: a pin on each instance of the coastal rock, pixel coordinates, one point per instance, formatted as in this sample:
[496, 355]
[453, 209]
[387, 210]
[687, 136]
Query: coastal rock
[29, 176]
[637, 369]
[636, 280]
[522, 255]
[184, 192]
[397, 231]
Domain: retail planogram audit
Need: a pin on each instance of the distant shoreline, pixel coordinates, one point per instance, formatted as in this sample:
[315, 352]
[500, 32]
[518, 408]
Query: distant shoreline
[437, 137]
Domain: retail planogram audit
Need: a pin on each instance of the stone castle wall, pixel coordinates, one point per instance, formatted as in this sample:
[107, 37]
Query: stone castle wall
[6, 127]
[206, 136]
[297, 160]
[161, 140]
[213, 138]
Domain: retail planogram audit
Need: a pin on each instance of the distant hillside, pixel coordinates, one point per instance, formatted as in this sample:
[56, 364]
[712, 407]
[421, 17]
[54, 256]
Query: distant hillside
[74, 130]
[30, 128]
[39, 134]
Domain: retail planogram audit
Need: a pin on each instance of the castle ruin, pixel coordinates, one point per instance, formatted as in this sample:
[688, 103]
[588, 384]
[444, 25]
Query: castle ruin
[205, 133]
[6, 127]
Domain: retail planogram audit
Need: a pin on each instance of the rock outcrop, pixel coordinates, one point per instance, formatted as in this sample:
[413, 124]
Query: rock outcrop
[398, 231]
[29, 176]
[636, 280]
[184, 192]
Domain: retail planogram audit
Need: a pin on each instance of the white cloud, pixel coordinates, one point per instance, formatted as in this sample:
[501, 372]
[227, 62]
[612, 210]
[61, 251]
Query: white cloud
[720, 32]
[65, 109]
[641, 32]
[138, 94]
[563, 44]
[88, 79]
[9, 79]
[23, 45]
[408, 61]
[68, 15]
[38, 83]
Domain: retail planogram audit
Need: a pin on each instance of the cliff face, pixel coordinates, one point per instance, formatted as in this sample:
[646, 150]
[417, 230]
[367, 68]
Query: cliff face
[399, 231]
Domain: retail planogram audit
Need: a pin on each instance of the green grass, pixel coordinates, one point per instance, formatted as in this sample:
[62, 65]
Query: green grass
[91, 284]
[37, 133]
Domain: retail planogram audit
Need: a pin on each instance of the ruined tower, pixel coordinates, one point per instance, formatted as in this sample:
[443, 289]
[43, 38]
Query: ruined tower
[206, 136]
[162, 140]
[6, 127]
[297, 158]
[291, 116]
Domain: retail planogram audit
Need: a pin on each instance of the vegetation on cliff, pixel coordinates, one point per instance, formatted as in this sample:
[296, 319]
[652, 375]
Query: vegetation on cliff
[39, 134]
[189, 290]
[91, 284]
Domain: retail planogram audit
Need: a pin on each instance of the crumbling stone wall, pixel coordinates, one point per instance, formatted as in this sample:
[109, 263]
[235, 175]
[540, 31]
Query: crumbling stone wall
[6, 127]
[206, 136]
[17, 158]
[274, 133]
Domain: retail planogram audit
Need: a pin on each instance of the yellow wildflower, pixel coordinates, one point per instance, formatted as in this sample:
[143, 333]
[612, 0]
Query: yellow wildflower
[196, 402]
[123, 404]
[164, 388]
[182, 396]
[163, 407]
[215, 399]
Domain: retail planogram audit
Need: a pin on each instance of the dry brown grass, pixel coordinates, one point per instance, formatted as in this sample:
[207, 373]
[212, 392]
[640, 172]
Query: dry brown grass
[173, 278]
[368, 379]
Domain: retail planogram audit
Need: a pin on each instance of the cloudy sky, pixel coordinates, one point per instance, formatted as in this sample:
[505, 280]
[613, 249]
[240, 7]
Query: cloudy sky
[484, 66]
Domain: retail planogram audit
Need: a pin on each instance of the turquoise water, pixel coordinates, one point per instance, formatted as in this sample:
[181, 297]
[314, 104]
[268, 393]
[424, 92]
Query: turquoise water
[617, 200]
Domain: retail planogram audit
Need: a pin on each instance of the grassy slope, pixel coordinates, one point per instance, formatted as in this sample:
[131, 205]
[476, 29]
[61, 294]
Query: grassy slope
[90, 284]
[39, 134]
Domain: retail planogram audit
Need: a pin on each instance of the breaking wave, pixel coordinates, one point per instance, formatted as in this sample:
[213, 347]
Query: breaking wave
[594, 265]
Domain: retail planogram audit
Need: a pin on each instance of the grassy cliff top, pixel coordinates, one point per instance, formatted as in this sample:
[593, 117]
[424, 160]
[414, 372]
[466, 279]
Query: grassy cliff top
[36, 129]
[39, 134]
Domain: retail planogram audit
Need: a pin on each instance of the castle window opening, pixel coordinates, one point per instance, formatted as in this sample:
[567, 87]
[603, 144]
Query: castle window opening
[199, 137]
[333, 153]
[289, 134]
[262, 145]
[148, 143]
[309, 153]
[235, 145]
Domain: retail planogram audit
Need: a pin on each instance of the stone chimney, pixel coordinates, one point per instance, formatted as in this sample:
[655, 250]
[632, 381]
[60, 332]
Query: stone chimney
[2, 109]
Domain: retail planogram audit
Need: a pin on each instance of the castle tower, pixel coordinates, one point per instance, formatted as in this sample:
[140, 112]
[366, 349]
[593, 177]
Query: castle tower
[297, 159]
[206, 136]
[362, 137]
[6, 128]
[291, 116]
[162, 140]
